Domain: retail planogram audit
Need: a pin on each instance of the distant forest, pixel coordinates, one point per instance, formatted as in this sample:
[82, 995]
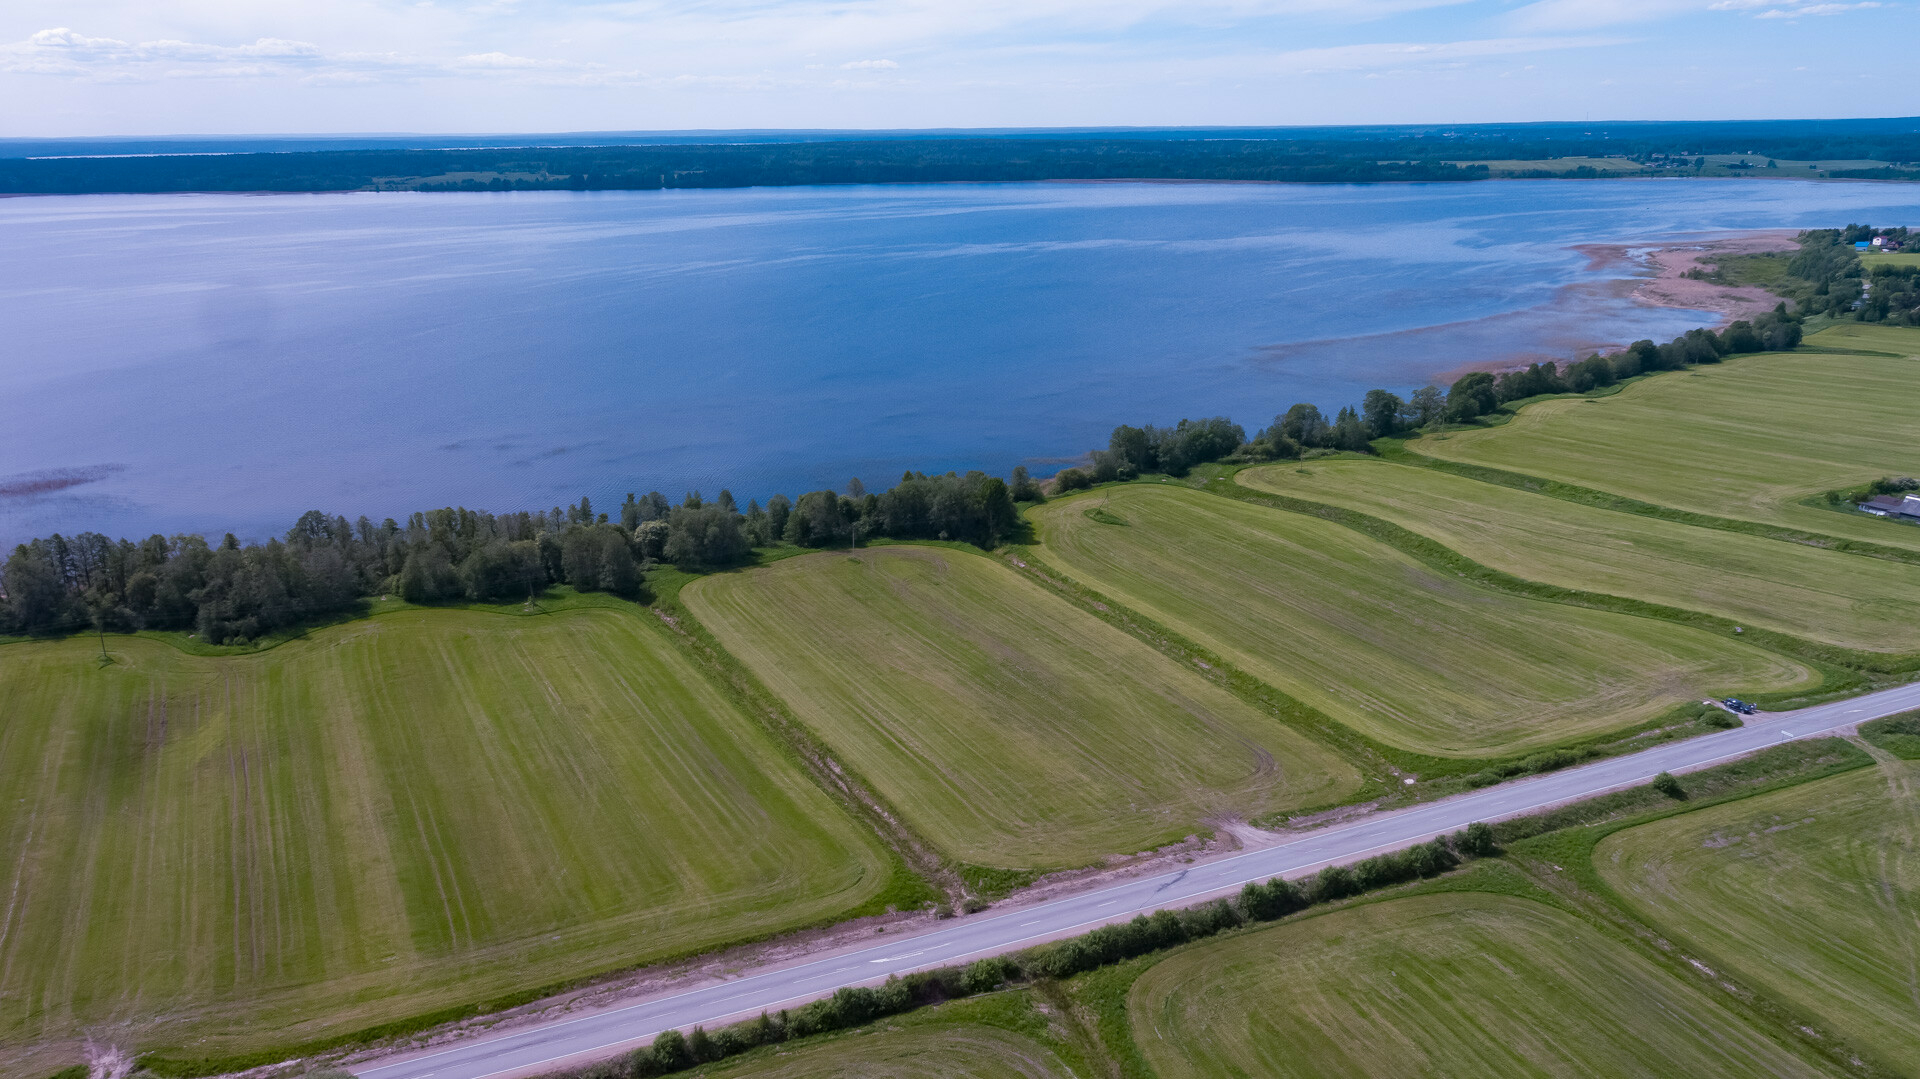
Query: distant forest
[1303, 155]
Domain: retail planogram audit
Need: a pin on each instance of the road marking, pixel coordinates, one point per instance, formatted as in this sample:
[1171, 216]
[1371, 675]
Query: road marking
[1023, 925]
[1108, 903]
[893, 958]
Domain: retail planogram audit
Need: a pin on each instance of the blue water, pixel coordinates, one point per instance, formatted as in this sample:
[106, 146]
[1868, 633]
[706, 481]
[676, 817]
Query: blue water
[216, 362]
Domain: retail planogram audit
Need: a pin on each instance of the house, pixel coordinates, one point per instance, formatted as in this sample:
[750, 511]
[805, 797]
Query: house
[1905, 507]
[1861, 245]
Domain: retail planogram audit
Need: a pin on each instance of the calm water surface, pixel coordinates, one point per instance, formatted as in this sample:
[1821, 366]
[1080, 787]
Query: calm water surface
[214, 362]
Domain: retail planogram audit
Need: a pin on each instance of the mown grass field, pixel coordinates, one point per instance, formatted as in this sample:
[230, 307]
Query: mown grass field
[1378, 641]
[1889, 258]
[1010, 728]
[1811, 894]
[1822, 595]
[997, 1037]
[400, 814]
[1746, 439]
[1454, 984]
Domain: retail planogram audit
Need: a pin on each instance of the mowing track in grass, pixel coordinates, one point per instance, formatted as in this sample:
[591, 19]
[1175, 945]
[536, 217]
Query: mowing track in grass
[1007, 725]
[1865, 604]
[394, 816]
[1380, 642]
[1811, 892]
[1746, 440]
[1461, 983]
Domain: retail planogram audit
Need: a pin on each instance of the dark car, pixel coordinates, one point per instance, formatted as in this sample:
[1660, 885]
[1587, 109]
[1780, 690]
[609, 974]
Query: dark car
[1740, 706]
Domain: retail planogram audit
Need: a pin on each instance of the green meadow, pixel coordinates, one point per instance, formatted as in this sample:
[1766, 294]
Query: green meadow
[1002, 1036]
[1453, 984]
[1747, 439]
[1828, 596]
[400, 814]
[1008, 726]
[1379, 641]
[1811, 894]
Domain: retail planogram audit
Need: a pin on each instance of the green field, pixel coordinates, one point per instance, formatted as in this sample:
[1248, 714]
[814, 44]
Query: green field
[1811, 894]
[1746, 439]
[1823, 595]
[949, 1053]
[1001, 1036]
[1008, 726]
[1892, 258]
[1461, 984]
[391, 816]
[1379, 641]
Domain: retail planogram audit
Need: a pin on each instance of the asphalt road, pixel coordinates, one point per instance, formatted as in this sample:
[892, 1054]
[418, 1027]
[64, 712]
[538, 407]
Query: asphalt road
[530, 1050]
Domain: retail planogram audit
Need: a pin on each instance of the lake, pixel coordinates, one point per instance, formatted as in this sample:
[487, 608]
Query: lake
[218, 362]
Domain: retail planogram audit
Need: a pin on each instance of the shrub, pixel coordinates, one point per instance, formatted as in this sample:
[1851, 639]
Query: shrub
[1071, 479]
[1276, 898]
[986, 975]
[1475, 841]
[1334, 882]
[1719, 718]
[700, 1045]
[669, 1053]
[1666, 784]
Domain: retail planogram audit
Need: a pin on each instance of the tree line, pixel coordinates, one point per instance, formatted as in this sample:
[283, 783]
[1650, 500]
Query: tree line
[1134, 451]
[229, 592]
[232, 593]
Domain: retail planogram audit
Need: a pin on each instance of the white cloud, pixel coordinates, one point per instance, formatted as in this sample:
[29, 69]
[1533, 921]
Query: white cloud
[1545, 15]
[868, 65]
[63, 51]
[1592, 14]
[1376, 55]
[1813, 9]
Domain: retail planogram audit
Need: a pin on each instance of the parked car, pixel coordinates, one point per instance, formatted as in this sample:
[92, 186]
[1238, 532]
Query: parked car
[1740, 706]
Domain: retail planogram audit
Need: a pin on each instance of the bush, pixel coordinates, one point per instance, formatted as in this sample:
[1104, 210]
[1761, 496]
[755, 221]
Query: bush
[668, 1053]
[1476, 841]
[986, 975]
[1666, 784]
[1071, 479]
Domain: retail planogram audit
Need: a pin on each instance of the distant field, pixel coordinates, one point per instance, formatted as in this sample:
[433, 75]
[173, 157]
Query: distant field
[1461, 984]
[1743, 439]
[1378, 641]
[1896, 258]
[1824, 595]
[1558, 164]
[1011, 728]
[391, 816]
[1812, 894]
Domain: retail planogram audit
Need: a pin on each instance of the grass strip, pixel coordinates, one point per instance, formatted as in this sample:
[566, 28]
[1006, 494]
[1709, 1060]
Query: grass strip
[1898, 735]
[1401, 452]
[1845, 671]
[1439, 777]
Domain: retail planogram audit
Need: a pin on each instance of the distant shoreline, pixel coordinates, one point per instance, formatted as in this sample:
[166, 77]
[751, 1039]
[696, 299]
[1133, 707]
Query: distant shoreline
[1653, 274]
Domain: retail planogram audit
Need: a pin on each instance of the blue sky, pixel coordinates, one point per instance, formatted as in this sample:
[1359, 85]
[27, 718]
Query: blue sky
[93, 67]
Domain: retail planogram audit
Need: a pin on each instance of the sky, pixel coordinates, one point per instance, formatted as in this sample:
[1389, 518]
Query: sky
[152, 67]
